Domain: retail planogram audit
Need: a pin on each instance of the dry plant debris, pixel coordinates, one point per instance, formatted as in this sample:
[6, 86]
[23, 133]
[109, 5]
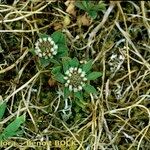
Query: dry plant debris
[115, 35]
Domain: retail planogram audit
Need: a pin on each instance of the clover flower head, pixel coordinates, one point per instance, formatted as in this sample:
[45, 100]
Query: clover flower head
[46, 48]
[75, 79]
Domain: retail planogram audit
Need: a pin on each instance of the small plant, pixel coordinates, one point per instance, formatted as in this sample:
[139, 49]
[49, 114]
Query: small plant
[75, 77]
[90, 8]
[50, 49]
[13, 128]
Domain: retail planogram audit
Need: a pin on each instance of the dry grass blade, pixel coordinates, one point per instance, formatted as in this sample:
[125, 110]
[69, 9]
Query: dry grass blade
[111, 112]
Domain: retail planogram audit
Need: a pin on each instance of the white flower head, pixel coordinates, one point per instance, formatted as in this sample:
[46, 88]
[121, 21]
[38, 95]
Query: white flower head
[75, 79]
[46, 47]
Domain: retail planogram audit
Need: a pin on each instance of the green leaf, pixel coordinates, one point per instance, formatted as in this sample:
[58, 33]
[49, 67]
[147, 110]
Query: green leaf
[74, 62]
[78, 95]
[62, 50]
[2, 109]
[54, 61]
[93, 75]
[82, 5]
[32, 50]
[59, 77]
[87, 67]
[66, 93]
[13, 127]
[89, 89]
[81, 104]
[56, 70]
[100, 7]
[44, 62]
[92, 14]
[65, 62]
[43, 35]
[91, 8]
[86, 4]
[58, 37]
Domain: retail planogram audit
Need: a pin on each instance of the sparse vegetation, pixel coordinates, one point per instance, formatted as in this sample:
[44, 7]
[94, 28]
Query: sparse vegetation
[74, 74]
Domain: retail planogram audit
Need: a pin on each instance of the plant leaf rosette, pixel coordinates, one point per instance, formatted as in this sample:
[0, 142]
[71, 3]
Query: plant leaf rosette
[51, 48]
[75, 77]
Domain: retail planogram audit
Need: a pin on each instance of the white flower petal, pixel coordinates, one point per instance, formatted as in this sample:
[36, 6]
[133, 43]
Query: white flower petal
[40, 54]
[54, 53]
[68, 81]
[49, 55]
[52, 50]
[44, 54]
[52, 42]
[40, 40]
[70, 87]
[49, 39]
[75, 90]
[66, 78]
[84, 79]
[45, 39]
[82, 74]
[83, 84]
[67, 72]
[75, 68]
[79, 88]
[71, 69]
[66, 84]
[37, 44]
[79, 70]
[121, 57]
[36, 47]
[55, 47]
[48, 51]
[38, 50]
[113, 56]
